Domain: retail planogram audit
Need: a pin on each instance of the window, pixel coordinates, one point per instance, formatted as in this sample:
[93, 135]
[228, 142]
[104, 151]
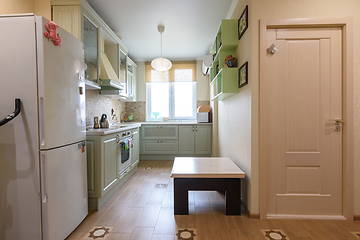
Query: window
[171, 94]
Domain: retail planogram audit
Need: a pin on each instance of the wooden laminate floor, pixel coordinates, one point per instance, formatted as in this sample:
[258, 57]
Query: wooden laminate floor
[142, 209]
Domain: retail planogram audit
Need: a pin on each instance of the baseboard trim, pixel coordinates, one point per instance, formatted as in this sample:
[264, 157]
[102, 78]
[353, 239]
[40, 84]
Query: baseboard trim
[248, 213]
[305, 217]
[356, 217]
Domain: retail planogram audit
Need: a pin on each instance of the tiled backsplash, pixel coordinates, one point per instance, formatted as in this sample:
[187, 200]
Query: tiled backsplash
[200, 103]
[97, 104]
[137, 109]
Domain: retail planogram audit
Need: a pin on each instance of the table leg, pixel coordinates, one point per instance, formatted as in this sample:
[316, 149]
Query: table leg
[232, 196]
[181, 198]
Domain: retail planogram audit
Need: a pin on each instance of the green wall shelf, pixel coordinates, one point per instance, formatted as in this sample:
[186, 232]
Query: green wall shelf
[225, 86]
[225, 43]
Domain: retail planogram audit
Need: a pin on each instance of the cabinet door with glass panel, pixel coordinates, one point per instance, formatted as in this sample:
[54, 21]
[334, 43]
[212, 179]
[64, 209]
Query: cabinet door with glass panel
[123, 72]
[78, 19]
[171, 94]
[90, 39]
[131, 79]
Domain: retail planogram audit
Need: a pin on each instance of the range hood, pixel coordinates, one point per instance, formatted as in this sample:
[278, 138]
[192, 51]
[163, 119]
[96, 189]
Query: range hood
[109, 78]
[117, 94]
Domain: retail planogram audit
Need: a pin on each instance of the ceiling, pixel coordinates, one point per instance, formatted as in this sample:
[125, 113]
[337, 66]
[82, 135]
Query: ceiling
[190, 26]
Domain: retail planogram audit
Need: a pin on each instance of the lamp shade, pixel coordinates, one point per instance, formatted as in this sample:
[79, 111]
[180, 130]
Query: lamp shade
[161, 64]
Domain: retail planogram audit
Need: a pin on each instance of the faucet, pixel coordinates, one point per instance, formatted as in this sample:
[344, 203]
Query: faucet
[121, 119]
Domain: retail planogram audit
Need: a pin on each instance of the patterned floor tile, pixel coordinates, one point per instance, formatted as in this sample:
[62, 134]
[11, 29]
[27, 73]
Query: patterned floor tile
[98, 232]
[274, 234]
[186, 234]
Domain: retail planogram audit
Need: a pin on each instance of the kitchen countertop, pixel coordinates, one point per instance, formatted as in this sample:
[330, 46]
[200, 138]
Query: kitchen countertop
[121, 127]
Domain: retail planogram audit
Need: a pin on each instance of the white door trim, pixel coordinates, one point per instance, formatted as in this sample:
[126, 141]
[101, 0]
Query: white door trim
[346, 25]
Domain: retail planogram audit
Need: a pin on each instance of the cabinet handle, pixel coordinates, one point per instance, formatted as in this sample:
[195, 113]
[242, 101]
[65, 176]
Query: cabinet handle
[159, 141]
[159, 126]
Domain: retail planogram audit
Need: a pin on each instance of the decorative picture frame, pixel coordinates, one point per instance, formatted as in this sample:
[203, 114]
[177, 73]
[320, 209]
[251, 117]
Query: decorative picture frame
[243, 75]
[243, 22]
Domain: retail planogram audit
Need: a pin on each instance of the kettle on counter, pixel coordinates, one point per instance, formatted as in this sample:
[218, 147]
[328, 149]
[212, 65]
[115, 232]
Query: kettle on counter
[104, 122]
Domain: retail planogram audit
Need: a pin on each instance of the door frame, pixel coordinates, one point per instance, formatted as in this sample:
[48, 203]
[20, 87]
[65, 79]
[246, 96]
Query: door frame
[346, 25]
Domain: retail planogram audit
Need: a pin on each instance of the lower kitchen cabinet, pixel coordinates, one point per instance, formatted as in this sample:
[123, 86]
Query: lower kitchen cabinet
[135, 156]
[159, 146]
[160, 131]
[165, 141]
[110, 161]
[187, 139]
[103, 168]
[195, 139]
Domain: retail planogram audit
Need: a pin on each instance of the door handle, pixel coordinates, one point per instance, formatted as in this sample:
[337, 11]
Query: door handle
[338, 121]
[12, 115]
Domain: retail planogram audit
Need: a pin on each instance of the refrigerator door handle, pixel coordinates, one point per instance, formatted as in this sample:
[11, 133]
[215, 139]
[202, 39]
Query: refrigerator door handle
[13, 114]
[44, 197]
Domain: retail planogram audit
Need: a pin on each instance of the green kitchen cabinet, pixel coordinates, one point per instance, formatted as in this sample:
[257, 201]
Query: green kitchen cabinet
[195, 139]
[110, 161]
[136, 147]
[105, 176]
[163, 146]
[166, 141]
[159, 132]
[131, 69]
[159, 139]
[187, 139]
[80, 19]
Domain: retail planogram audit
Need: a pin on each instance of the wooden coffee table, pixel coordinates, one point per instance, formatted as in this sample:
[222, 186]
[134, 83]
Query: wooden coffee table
[206, 174]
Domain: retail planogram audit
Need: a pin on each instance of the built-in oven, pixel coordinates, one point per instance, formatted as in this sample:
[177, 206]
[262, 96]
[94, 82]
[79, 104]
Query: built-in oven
[125, 145]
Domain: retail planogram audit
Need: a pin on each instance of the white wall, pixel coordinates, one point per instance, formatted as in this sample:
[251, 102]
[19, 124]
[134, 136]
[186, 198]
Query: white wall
[202, 83]
[235, 116]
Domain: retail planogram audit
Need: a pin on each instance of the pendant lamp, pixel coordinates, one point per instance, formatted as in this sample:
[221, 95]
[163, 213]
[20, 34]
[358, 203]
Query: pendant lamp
[161, 64]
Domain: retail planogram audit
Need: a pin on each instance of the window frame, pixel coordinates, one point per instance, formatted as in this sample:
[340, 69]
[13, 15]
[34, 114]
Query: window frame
[171, 102]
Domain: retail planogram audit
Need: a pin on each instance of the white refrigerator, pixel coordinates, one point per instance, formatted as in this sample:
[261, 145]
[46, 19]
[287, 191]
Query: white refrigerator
[43, 181]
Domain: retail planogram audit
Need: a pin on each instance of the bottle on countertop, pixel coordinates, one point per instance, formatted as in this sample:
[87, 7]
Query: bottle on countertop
[96, 123]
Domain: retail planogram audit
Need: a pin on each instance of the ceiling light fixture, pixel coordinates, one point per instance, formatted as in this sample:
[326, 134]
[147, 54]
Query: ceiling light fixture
[161, 64]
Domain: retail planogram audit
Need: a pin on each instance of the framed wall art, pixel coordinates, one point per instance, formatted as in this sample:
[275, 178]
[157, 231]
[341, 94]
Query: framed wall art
[243, 22]
[243, 75]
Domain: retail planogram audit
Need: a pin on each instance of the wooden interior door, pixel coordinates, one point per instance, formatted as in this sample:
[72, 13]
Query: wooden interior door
[304, 144]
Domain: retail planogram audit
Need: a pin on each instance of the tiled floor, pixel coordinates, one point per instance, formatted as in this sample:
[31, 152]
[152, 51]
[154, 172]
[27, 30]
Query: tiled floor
[142, 209]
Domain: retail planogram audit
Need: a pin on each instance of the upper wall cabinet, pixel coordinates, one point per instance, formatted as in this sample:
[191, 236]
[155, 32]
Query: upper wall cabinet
[102, 46]
[90, 40]
[131, 81]
[224, 79]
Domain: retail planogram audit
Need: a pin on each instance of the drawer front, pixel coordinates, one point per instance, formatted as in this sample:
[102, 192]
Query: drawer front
[160, 132]
[160, 147]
